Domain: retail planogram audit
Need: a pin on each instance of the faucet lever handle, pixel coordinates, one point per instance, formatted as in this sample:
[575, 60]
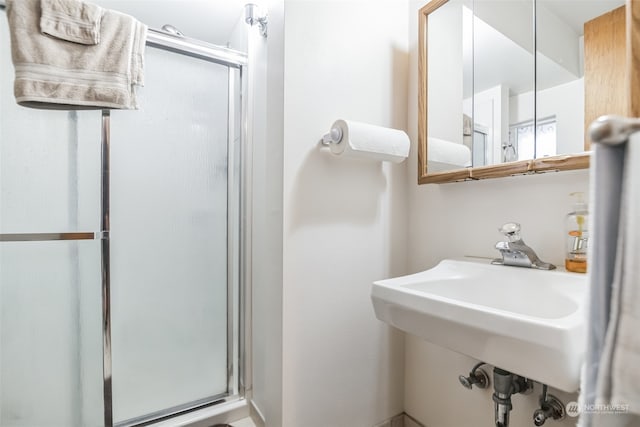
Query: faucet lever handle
[511, 230]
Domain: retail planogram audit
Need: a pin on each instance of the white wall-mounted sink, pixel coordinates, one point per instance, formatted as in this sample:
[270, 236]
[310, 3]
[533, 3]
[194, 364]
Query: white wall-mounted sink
[530, 322]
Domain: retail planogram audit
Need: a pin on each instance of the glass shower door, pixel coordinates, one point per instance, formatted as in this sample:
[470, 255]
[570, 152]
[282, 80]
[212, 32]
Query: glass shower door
[170, 225]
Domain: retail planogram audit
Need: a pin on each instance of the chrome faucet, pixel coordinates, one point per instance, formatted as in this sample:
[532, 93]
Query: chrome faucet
[515, 252]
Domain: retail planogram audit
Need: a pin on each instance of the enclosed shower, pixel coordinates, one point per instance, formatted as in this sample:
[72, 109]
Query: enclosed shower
[121, 246]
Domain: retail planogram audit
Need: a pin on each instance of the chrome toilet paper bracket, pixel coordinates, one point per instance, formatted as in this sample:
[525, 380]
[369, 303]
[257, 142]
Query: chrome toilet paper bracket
[333, 137]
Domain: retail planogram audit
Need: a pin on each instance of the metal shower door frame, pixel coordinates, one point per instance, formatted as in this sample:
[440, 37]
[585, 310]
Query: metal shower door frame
[235, 386]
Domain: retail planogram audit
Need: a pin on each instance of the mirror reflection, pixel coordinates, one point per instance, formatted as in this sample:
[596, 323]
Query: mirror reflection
[503, 77]
[580, 57]
[491, 101]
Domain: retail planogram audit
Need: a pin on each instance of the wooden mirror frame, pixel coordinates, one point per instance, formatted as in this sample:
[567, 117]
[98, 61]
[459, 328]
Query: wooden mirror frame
[546, 164]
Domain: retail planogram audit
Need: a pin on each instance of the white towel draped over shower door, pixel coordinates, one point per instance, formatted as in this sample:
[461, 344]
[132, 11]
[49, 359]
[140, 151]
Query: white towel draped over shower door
[61, 73]
[612, 374]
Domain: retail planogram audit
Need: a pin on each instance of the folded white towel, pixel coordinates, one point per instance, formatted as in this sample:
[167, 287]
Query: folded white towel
[52, 73]
[71, 20]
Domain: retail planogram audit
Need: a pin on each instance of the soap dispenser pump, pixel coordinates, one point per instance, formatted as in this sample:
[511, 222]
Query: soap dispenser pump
[577, 235]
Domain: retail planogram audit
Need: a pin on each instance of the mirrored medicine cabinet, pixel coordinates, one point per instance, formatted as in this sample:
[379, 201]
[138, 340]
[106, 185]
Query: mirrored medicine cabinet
[510, 87]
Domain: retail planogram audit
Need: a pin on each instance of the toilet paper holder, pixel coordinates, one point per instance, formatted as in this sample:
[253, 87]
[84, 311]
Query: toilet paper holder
[333, 137]
[348, 138]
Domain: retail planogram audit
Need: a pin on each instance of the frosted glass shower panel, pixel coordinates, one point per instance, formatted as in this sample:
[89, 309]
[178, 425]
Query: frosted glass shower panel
[49, 162]
[50, 334]
[50, 292]
[169, 238]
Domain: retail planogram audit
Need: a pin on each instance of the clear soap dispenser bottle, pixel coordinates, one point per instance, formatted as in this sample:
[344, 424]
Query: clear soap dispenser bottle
[577, 235]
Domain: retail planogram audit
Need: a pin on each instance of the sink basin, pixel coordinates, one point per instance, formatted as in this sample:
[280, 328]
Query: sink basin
[527, 321]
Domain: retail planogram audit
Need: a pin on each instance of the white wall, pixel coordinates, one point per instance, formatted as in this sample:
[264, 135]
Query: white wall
[207, 20]
[445, 78]
[514, 19]
[557, 40]
[344, 220]
[267, 99]
[453, 220]
[566, 103]
[491, 109]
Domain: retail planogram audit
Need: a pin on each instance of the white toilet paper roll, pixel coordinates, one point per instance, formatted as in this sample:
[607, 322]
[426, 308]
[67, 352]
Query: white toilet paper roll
[366, 141]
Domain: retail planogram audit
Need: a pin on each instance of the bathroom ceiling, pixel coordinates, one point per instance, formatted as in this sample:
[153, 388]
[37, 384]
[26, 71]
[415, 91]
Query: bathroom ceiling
[576, 12]
[208, 20]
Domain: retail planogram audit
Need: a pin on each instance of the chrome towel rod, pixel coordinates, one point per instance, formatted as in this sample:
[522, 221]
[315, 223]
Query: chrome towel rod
[613, 130]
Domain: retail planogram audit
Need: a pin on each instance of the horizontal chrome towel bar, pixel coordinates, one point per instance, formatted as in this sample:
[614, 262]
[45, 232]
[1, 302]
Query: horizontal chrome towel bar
[46, 237]
[613, 130]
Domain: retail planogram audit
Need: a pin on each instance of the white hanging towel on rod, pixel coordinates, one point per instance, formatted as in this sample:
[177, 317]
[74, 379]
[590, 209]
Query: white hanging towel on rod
[611, 380]
[361, 140]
